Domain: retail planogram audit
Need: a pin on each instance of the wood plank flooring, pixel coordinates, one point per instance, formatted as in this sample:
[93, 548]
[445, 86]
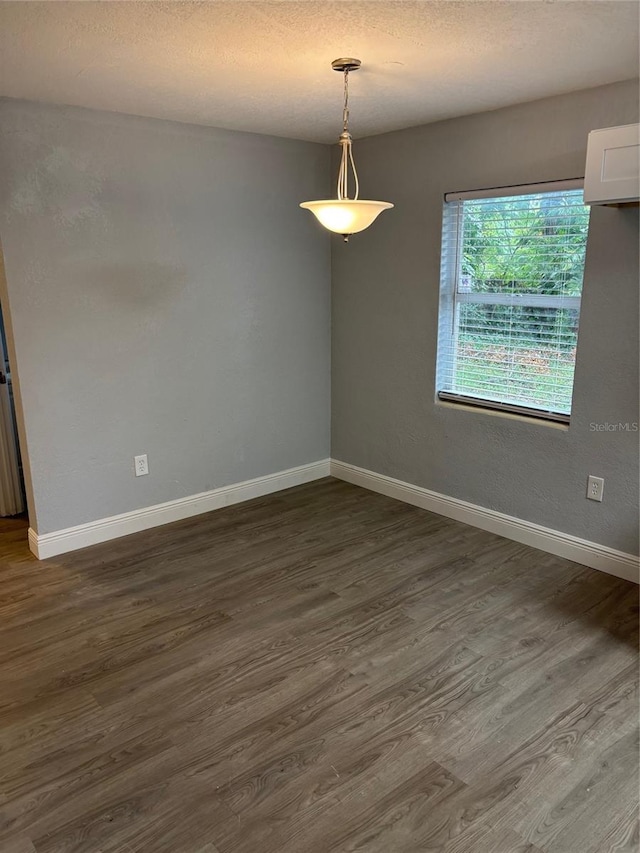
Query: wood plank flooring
[324, 669]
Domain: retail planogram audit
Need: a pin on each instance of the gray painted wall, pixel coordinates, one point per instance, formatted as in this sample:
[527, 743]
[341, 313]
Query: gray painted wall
[166, 296]
[385, 308]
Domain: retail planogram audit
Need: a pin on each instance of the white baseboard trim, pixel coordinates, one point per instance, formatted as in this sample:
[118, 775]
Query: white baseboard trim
[546, 539]
[553, 541]
[61, 541]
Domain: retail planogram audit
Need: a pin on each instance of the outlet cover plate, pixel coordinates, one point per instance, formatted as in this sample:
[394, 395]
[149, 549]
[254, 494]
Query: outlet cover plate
[141, 465]
[595, 488]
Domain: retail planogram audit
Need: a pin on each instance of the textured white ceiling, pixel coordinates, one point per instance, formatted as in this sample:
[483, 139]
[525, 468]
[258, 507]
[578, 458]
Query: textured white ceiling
[265, 67]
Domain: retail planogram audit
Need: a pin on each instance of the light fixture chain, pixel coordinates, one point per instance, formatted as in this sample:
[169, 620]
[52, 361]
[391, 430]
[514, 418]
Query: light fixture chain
[345, 111]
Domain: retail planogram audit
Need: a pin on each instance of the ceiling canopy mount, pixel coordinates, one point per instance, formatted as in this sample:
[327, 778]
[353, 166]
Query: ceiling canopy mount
[346, 64]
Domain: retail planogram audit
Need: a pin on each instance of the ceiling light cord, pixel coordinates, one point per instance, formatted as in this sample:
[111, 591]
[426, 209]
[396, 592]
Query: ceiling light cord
[345, 109]
[347, 152]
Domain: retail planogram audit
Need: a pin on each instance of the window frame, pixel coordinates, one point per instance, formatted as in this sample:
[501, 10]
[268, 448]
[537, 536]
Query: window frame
[451, 298]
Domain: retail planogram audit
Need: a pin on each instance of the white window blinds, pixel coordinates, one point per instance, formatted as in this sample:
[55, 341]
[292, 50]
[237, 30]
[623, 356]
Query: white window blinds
[511, 283]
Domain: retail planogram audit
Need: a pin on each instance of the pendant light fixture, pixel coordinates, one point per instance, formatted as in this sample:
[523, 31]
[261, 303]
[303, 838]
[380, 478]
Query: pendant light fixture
[345, 215]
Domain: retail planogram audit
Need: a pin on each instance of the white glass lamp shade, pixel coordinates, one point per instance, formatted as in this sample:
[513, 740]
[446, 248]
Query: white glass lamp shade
[346, 216]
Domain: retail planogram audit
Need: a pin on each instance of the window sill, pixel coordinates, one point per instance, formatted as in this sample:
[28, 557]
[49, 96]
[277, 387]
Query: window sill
[497, 413]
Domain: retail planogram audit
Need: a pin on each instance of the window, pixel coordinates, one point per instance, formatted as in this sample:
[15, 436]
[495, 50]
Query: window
[511, 283]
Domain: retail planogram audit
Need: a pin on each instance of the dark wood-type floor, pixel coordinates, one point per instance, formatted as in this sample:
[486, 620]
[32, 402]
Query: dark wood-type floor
[321, 670]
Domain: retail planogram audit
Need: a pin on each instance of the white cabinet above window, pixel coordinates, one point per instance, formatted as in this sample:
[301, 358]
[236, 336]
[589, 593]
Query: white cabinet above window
[612, 174]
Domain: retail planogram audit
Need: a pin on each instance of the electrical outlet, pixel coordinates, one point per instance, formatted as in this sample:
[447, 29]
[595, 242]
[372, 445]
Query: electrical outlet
[141, 465]
[595, 488]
